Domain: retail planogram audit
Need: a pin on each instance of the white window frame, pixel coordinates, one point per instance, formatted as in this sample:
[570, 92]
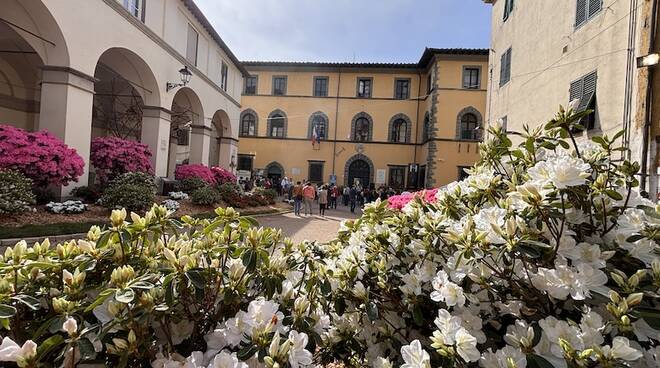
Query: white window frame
[192, 58]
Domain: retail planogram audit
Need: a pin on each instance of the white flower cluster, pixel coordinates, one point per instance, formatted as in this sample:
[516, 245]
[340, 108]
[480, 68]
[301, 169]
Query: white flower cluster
[179, 196]
[171, 205]
[67, 207]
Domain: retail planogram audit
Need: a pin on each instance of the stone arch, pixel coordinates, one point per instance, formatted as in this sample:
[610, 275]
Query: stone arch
[131, 67]
[366, 116]
[459, 120]
[256, 122]
[219, 152]
[353, 159]
[270, 120]
[274, 165]
[187, 116]
[326, 123]
[404, 117]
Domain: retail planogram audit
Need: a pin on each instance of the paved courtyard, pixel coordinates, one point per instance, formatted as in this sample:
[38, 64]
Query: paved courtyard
[312, 227]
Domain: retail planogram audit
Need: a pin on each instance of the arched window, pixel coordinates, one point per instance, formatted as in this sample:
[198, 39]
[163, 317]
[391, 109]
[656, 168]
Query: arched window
[427, 128]
[399, 129]
[248, 125]
[319, 123]
[469, 125]
[362, 127]
[276, 126]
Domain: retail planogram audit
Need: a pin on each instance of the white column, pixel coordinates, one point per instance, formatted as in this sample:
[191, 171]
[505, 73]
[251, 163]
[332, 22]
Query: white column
[67, 96]
[156, 123]
[200, 144]
[228, 151]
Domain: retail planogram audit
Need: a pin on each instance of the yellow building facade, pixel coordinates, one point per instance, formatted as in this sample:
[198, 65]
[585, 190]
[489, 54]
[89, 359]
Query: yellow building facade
[406, 126]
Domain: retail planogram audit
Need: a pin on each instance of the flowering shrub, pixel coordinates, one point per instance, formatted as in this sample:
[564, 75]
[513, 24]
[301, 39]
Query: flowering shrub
[112, 156]
[15, 192]
[545, 256]
[195, 171]
[205, 196]
[41, 156]
[191, 184]
[401, 200]
[223, 176]
[134, 191]
[67, 207]
[178, 195]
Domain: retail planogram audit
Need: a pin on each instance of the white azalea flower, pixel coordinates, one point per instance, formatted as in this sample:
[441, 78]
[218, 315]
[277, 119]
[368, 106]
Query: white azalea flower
[70, 326]
[227, 360]
[466, 346]
[621, 350]
[12, 352]
[298, 355]
[415, 356]
[446, 291]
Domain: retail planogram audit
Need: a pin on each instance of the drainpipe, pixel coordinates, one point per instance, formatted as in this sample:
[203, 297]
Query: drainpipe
[649, 101]
[334, 143]
[630, 65]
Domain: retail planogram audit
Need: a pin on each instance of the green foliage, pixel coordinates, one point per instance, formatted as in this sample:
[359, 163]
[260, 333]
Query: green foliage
[191, 184]
[88, 194]
[140, 179]
[130, 196]
[205, 196]
[15, 192]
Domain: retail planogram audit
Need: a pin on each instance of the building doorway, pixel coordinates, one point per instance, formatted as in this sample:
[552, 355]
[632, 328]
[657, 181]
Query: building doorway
[359, 171]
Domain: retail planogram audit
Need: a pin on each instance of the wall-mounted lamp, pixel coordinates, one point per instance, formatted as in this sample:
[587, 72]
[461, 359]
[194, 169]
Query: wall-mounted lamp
[185, 79]
[648, 60]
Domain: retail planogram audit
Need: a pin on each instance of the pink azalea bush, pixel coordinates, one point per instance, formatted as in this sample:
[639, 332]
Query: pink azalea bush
[399, 201]
[40, 156]
[195, 171]
[112, 156]
[223, 176]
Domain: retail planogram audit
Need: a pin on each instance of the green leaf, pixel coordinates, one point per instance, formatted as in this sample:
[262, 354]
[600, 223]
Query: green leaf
[651, 316]
[103, 240]
[247, 352]
[87, 351]
[418, 316]
[537, 361]
[7, 311]
[100, 299]
[634, 238]
[142, 285]
[340, 306]
[125, 295]
[249, 259]
[30, 301]
[372, 310]
[48, 345]
[614, 194]
[196, 277]
[250, 221]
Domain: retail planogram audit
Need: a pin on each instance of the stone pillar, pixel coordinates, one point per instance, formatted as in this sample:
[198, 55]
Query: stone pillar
[67, 96]
[200, 144]
[229, 152]
[156, 134]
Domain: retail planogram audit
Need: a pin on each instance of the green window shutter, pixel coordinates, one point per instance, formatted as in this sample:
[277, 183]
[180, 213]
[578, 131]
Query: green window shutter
[575, 90]
[594, 7]
[588, 91]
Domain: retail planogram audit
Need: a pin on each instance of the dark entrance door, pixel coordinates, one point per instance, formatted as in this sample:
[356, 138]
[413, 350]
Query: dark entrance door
[360, 170]
[274, 173]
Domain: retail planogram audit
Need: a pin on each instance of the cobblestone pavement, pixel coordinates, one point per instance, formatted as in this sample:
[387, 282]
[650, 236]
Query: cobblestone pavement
[313, 227]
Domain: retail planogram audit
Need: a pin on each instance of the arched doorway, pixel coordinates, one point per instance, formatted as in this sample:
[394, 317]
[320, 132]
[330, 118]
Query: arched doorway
[187, 114]
[125, 85]
[275, 172]
[359, 169]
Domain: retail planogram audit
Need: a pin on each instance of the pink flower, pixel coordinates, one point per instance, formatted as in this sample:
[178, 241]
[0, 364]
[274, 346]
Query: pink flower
[399, 201]
[195, 170]
[40, 156]
[223, 176]
[112, 156]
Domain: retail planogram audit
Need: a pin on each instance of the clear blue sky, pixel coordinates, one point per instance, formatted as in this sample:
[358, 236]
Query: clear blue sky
[347, 30]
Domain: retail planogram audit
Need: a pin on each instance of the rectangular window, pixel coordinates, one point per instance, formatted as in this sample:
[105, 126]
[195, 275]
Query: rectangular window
[402, 89]
[505, 67]
[584, 91]
[471, 77]
[422, 177]
[320, 86]
[429, 83]
[364, 87]
[245, 162]
[135, 7]
[224, 73]
[587, 9]
[316, 171]
[508, 8]
[251, 85]
[397, 177]
[191, 48]
[279, 85]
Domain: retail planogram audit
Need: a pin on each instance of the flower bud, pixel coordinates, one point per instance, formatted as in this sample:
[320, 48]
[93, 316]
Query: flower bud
[117, 217]
[94, 233]
[634, 299]
[131, 337]
[70, 326]
[120, 344]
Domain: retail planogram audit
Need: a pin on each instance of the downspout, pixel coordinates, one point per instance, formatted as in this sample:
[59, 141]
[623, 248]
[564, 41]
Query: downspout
[334, 142]
[632, 27]
[419, 91]
[649, 101]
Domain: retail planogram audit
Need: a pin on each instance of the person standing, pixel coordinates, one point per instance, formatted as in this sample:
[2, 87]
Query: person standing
[352, 197]
[309, 193]
[345, 195]
[334, 194]
[323, 200]
[297, 193]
